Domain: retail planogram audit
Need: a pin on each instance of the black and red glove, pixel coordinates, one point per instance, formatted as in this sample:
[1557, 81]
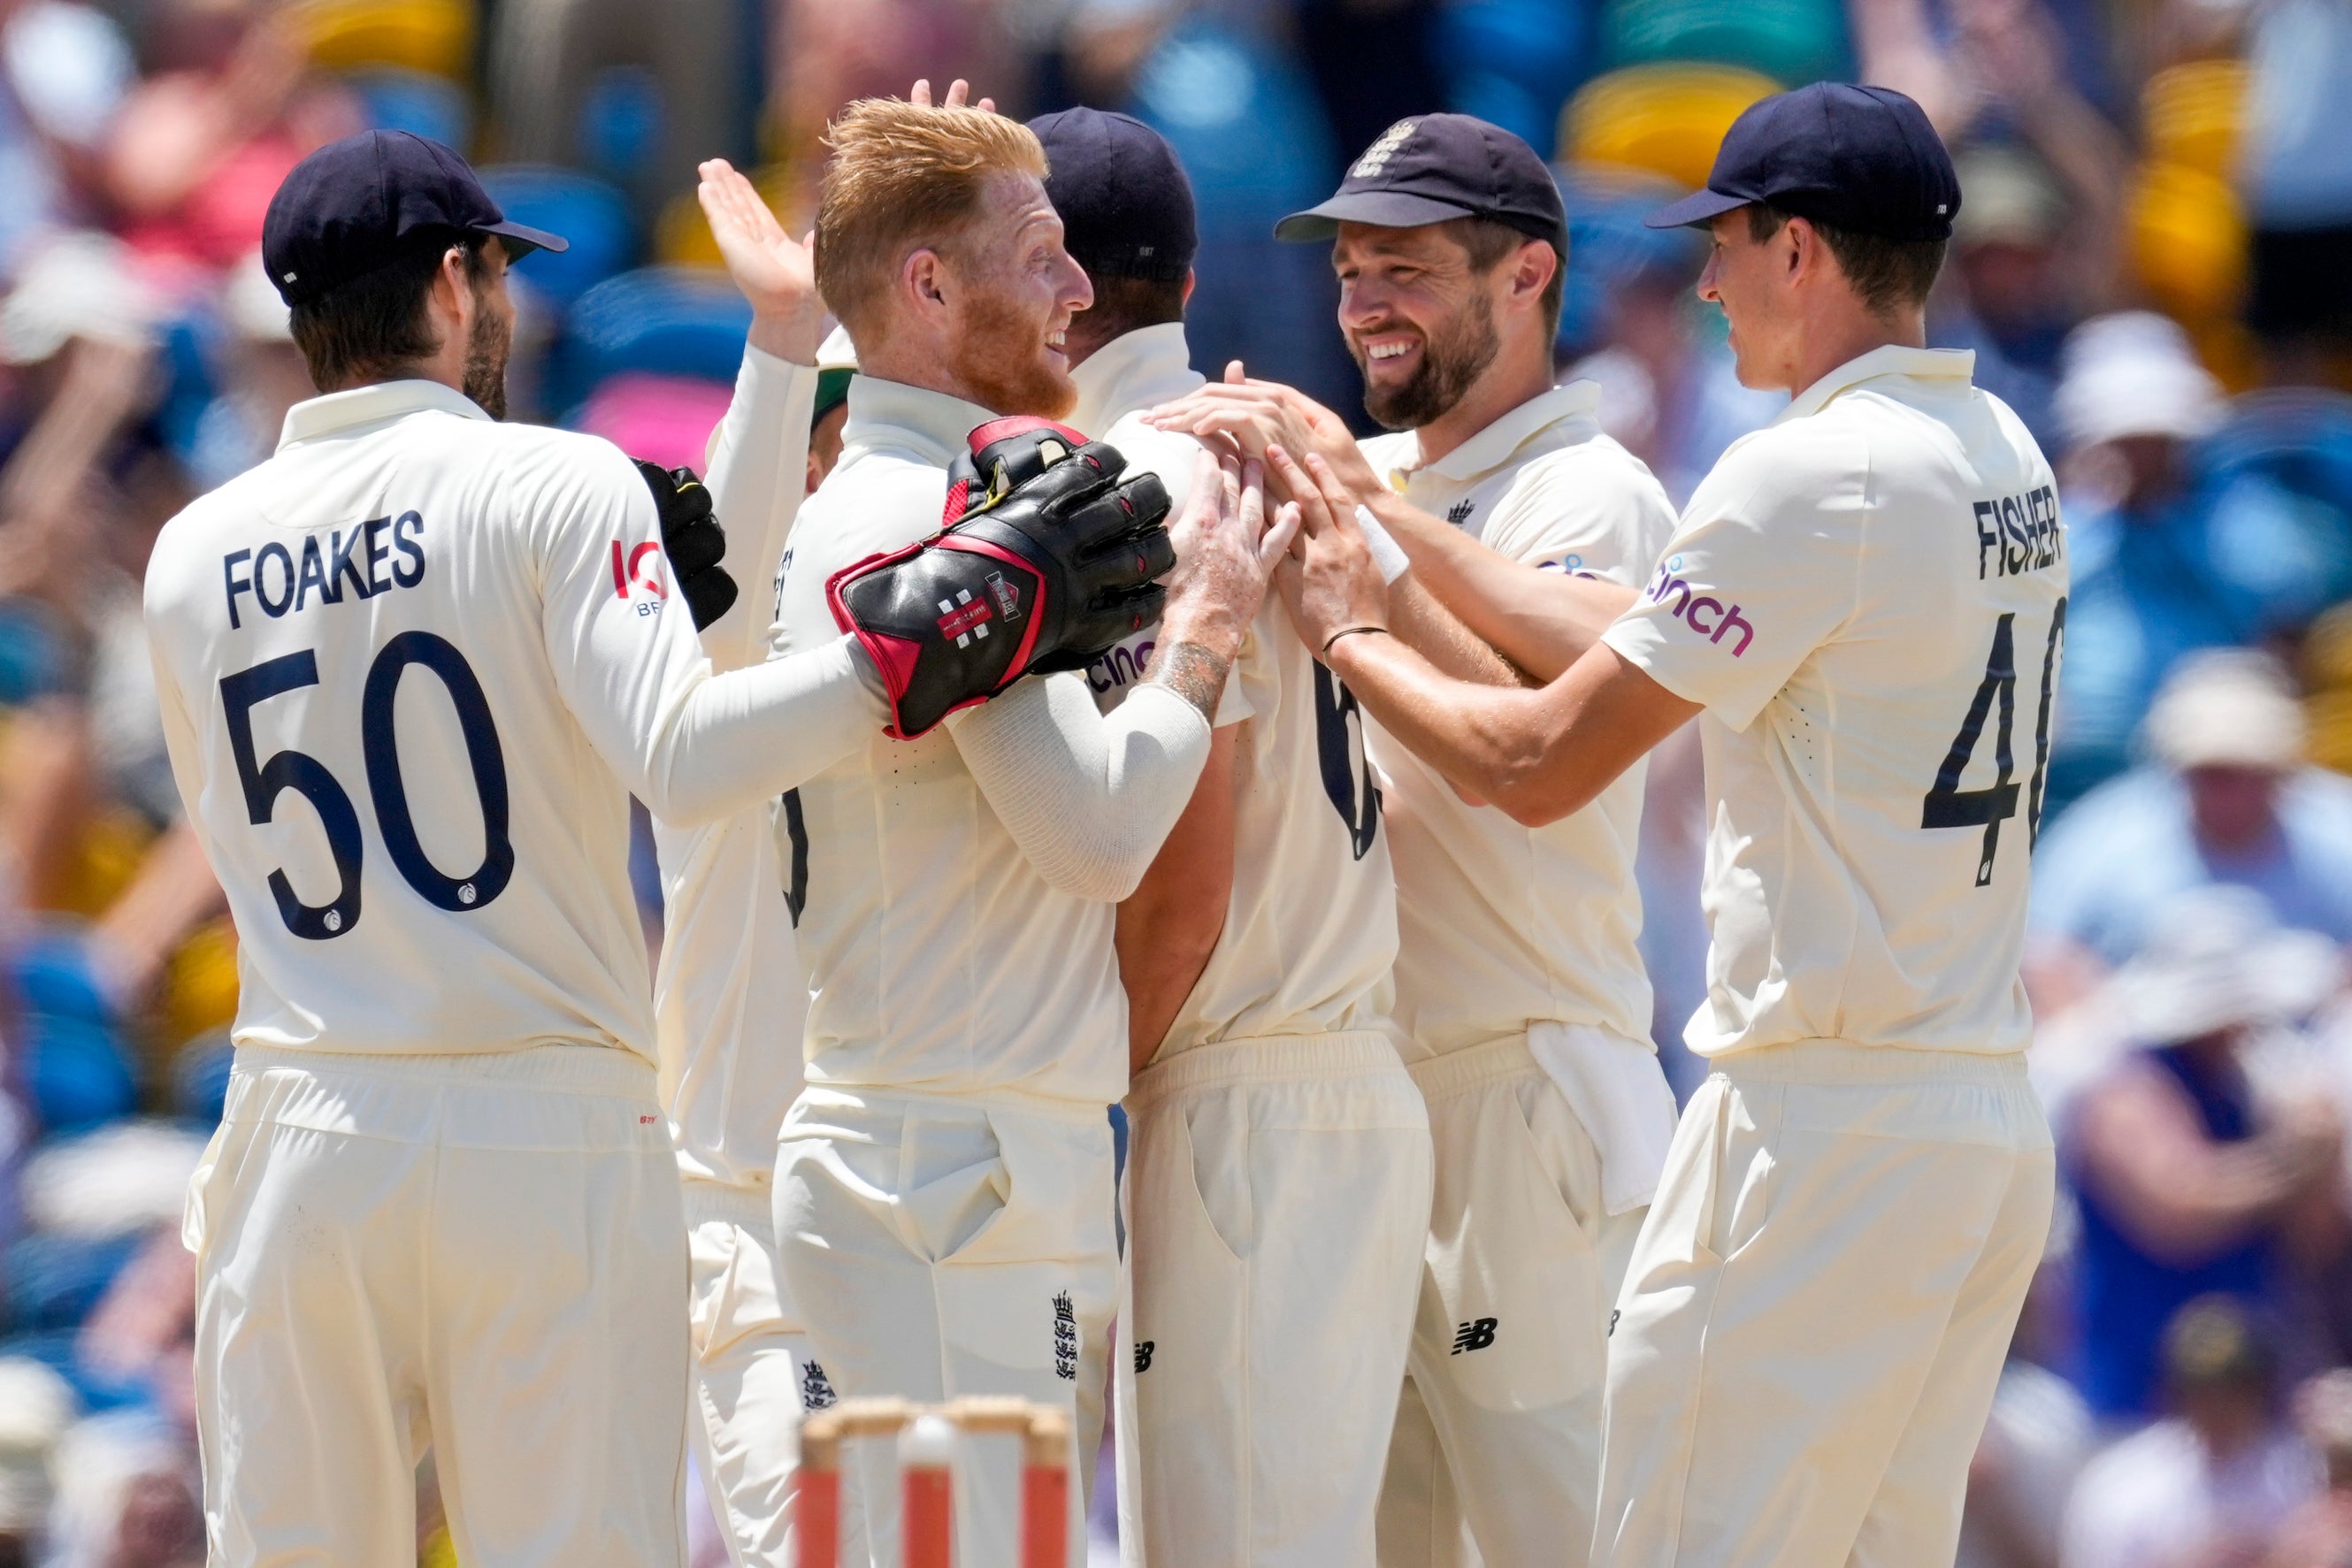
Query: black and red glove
[1045, 561]
[692, 539]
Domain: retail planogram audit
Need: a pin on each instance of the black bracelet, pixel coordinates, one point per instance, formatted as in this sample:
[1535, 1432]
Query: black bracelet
[1349, 632]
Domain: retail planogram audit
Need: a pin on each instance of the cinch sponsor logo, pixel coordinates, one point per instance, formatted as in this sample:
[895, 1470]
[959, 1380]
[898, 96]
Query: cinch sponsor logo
[1703, 613]
[1122, 666]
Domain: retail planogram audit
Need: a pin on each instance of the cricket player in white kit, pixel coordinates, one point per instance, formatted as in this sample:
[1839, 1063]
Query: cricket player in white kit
[731, 994]
[442, 1208]
[944, 1183]
[1521, 991]
[1279, 1175]
[1867, 601]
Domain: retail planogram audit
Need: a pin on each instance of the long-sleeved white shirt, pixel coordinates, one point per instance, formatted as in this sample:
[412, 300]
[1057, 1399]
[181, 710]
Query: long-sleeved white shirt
[951, 941]
[410, 669]
[730, 993]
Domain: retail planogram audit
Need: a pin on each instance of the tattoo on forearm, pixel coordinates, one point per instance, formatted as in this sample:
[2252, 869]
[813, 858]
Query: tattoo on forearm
[1192, 673]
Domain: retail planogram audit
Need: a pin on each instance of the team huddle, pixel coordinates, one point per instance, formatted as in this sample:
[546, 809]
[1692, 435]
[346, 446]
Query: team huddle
[1053, 728]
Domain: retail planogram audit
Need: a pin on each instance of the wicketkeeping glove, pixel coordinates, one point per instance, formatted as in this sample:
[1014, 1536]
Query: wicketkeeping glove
[692, 539]
[1045, 561]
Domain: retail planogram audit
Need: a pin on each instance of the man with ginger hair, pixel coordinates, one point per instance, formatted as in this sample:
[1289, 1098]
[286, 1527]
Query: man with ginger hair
[944, 1184]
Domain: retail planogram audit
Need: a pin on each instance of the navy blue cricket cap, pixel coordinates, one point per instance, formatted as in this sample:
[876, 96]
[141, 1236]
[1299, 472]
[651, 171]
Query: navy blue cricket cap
[361, 203]
[1125, 206]
[1857, 158]
[1433, 168]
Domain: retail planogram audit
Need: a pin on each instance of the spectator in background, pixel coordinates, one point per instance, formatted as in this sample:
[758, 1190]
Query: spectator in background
[2190, 1183]
[127, 1487]
[2133, 400]
[2009, 300]
[200, 146]
[2227, 799]
[35, 1408]
[2319, 1534]
[2035, 1441]
[2297, 167]
[2210, 1487]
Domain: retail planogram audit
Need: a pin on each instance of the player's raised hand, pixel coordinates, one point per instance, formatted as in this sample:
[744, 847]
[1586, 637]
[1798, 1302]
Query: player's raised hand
[959, 90]
[776, 272]
[1252, 416]
[1330, 584]
[1226, 549]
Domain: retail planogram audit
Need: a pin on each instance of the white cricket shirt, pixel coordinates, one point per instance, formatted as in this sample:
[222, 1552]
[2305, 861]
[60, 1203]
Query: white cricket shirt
[940, 961]
[1868, 596]
[1503, 927]
[410, 669]
[731, 994]
[1311, 925]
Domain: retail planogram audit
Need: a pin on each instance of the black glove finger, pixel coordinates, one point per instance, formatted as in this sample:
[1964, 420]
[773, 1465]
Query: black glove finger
[1105, 524]
[1106, 621]
[693, 502]
[694, 545]
[709, 595]
[1128, 563]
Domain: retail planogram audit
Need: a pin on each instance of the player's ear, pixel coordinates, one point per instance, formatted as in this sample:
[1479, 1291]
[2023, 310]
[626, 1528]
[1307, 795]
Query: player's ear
[922, 279]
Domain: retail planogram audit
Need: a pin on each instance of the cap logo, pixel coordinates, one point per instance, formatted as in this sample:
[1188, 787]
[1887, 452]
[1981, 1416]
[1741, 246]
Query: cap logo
[1376, 157]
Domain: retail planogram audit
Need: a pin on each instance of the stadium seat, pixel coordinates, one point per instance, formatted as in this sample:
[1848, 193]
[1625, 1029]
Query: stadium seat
[429, 106]
[75, 1066]
[594, 215]
[658, 320]
[2186, 238]
[2194, 115]
[1665, 119]
[661, 419]
[435, 36]
[1788, 40]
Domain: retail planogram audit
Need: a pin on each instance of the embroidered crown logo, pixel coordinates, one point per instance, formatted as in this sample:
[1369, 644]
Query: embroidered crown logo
[1065, 1337]
[1376, 157]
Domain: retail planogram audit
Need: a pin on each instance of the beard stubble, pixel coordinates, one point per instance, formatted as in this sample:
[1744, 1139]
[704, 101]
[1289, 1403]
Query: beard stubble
[999, 359]
[1450, 362]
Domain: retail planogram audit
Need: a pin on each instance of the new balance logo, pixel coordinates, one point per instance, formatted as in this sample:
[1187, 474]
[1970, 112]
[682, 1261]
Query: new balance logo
[1476, 1334]
[964, 618]
[1143, 1349]
[816, 1392]
[1459, 513]
[1065, 1337]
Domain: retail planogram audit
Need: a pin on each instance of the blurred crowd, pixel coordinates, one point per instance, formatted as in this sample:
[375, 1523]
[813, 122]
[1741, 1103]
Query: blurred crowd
[2151, 263]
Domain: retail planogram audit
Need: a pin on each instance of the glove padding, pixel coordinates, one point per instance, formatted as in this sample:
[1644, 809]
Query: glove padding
[692, 539]
[1046, 562]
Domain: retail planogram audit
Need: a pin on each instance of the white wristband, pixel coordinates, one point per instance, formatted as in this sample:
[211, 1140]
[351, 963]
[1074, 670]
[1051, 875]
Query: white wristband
[1386, 553]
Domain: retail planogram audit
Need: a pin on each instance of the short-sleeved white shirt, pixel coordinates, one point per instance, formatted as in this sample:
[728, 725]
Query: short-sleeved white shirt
[1503, 925]
[940, 961]
[1867, 596]
[410, 669]
[1310, 925]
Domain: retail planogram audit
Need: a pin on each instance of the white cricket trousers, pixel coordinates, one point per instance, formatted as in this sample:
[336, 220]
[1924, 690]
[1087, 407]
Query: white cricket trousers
[753, 1377]
[483, 1254]
[939, 1246]
[1498, 1434]
[1277, 1203]
[1818, 1308]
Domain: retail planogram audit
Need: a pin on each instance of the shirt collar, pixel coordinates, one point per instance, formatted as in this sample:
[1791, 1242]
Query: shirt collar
[337, 412]
[880, 410]
[1141, 369]
[1493, 447]
[1892, 359]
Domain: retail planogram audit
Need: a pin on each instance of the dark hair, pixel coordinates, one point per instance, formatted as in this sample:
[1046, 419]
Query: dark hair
[1888, 274]
[1124, 305]
[1489, 241]
[374, 325]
